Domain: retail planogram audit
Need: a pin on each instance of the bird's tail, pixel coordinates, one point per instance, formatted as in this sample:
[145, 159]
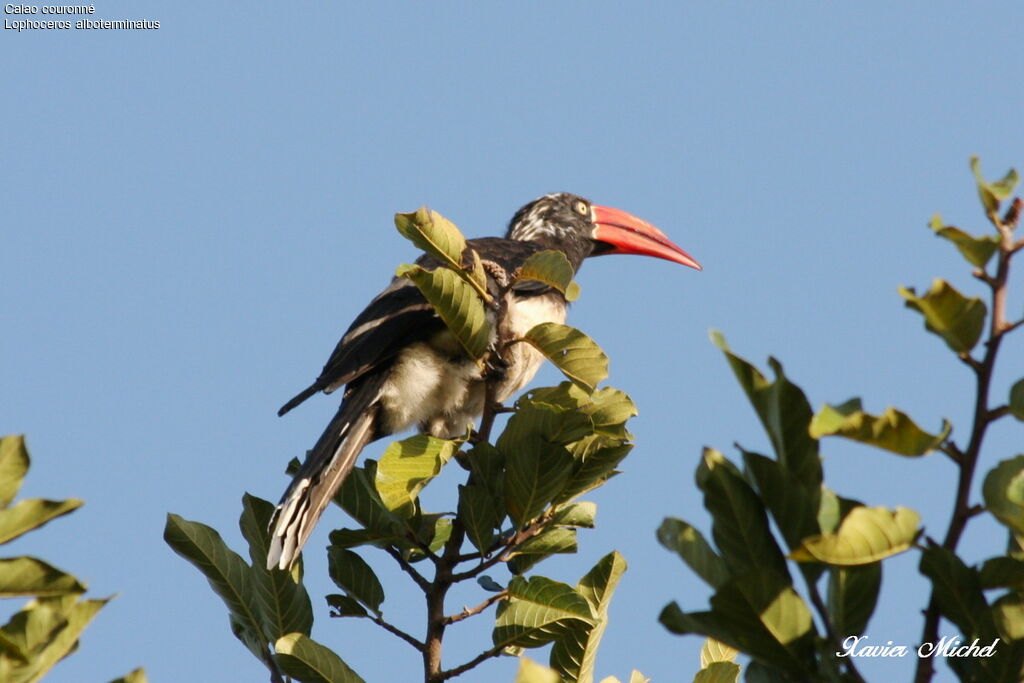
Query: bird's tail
[316, 482]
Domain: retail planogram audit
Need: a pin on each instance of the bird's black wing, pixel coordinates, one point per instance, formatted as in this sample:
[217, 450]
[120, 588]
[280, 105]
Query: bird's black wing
[395, 318]
[510, 254]
[400, 315]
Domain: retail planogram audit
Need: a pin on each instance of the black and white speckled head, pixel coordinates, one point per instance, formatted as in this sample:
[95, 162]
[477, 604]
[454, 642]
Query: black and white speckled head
[560, 221]
[578, 228]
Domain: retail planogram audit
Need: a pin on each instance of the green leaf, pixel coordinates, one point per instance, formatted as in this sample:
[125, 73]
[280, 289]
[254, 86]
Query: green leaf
[740, 525]
[718, 672]
[689, 543]
[778, 608]
[352, 574]
[555, 540]
[1002, 572]
[550, 267]
[992, 193]
[29, 576]
[31, 514]
[532, 672]
[358, 497]
[608, 408]
[754, 613]
[580, 515]
[1008, 613]
[536, 469]
[949, 314]
[715, 651]
[352, 538]
[409, 465]
[479, 515]
[66, 620]
[852, 595]
[434, 234]
[344, 606]
[1017, 400]
[456, 302]
[865, 535]
[228, 574]
[577, 356]
[575, 653]
[833, 510]
[794, 508]
[892, 431]
[136, 676]
[310, 662]
[958, 591]
[284, 604]
[593, 468]
[783, 410]
[27, 633]
[977, 250]
[489, 584]
[487, 464]
[537, 611]
[433, 530]
[14, 464]
[1003, 490]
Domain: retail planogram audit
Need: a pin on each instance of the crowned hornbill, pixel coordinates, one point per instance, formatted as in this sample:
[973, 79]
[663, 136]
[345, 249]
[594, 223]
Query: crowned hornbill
[400, 366]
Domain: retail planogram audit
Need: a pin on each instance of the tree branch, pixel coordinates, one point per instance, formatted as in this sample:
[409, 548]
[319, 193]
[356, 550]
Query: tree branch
[962, 509]
[444, 573]
[468, 612]
[408, 568]
[396, 631]
[997, 413]
[529, 532]
[275, 672]
[969, 360]
[953, 451]
[480, 658]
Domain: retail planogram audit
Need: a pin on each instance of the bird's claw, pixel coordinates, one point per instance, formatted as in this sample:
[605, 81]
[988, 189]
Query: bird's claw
[495, 367]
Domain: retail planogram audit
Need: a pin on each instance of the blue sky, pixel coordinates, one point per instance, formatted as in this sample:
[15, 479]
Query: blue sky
[192, 216]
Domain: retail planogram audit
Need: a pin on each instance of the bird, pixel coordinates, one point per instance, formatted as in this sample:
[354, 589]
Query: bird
[400, 367]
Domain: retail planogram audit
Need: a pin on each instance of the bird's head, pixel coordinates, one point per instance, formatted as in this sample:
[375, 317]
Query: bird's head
[579, 228]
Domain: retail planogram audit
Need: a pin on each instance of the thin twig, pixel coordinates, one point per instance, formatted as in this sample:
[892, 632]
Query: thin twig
[480, 658]
[969, 360]
[953, 451]
[275, 672]
[408, 568]
[997, 413]
[529, 532]
[974, 511]
[470, 611]
[397, 631]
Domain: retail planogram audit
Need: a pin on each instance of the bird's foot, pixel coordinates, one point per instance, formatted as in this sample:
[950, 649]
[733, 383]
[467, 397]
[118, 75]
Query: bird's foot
[495, 367]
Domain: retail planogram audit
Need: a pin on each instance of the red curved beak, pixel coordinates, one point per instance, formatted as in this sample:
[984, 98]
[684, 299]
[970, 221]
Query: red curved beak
[631, 235]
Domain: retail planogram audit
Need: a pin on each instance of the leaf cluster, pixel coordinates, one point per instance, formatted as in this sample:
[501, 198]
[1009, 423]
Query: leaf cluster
[519, 504]
[48, 627]
[756, 607]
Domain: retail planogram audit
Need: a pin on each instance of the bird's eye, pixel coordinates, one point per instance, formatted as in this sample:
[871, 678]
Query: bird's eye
[582, 208]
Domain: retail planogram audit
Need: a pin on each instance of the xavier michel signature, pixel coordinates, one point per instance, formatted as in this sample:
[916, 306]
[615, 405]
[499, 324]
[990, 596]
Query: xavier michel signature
[948, 646]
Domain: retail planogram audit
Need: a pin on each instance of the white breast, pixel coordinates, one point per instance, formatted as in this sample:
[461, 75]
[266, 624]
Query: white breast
[444, 394]
[523, 359]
